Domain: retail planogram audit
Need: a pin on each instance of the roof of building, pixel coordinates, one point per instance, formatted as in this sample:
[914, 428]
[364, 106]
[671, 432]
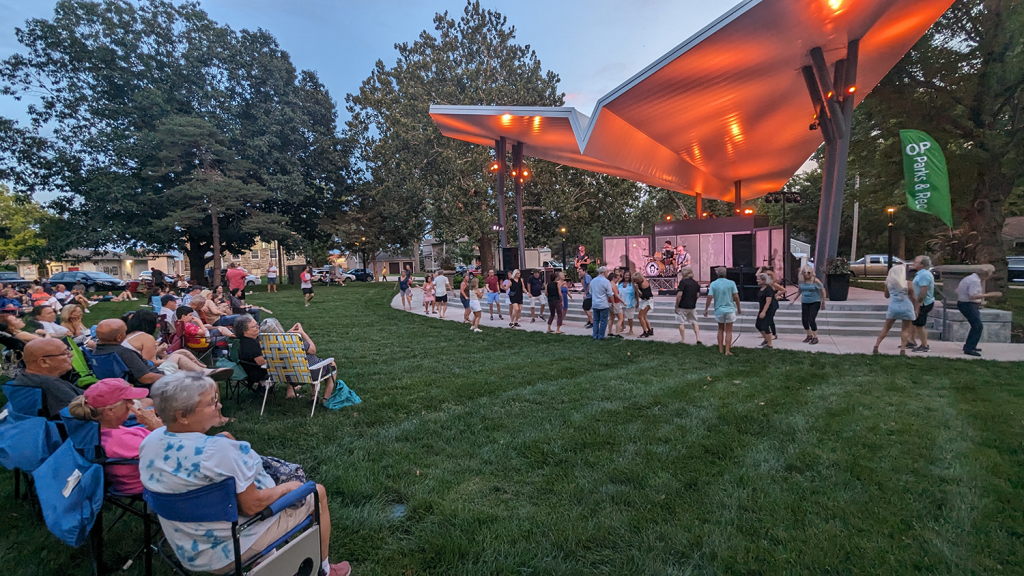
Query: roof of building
[1013, 228]
[728, 104]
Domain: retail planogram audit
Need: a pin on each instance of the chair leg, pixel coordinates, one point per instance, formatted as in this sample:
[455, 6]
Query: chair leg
[316, 395]
[147, 536]
[266, 390]
[96, 546]
[17, 484]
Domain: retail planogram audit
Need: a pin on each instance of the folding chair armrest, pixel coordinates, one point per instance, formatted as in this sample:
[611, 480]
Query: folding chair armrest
[321, 363]
[293, 497]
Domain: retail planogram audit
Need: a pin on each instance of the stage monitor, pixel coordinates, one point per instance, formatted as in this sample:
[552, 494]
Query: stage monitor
[742, 250]
[510, 258]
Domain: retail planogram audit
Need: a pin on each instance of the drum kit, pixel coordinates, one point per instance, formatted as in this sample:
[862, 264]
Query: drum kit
[659, 265]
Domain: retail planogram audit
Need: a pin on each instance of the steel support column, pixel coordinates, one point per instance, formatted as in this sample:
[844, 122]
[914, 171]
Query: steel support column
[737, 189]
[700, 205]
[517, 179]
[500, 150]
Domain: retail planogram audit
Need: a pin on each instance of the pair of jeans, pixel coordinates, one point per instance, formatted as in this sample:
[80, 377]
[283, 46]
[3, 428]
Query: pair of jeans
[808, 315]
[972, 312]
[600, 323]
[226, 320]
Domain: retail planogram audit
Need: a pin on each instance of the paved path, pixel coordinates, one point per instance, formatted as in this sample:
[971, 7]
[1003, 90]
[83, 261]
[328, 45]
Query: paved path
[747, 338]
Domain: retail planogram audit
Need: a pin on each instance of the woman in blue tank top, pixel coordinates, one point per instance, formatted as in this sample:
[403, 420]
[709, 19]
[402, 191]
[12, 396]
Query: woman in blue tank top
[812, 300]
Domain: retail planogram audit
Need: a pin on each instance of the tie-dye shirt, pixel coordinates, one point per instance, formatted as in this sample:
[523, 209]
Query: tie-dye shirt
[175, 463]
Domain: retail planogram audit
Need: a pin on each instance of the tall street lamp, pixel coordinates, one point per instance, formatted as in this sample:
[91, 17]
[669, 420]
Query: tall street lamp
[564, 265]
[891, 212]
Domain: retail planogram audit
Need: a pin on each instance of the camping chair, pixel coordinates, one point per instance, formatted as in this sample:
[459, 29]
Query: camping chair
[241, 375]
[81, 364]
[155, 302]
[70, 490]
[202, 347]
[25, 444]
[109, 366]
[219, 503]
[286, 363]
[24, 400]
[85, 435]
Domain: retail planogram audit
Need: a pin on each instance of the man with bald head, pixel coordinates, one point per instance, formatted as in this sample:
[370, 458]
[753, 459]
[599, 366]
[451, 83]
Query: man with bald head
[46, 360]
[110, 334]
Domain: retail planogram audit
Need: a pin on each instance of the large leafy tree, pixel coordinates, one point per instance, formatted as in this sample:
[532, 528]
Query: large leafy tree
[114, 77]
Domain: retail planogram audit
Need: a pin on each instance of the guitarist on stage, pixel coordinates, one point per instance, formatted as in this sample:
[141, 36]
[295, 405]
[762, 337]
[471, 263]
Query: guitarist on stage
[582, 260]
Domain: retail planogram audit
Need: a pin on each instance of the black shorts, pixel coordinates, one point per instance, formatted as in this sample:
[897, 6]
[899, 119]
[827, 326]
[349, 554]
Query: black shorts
[516, 299]
[441, 298]
[588, 303]
[922, 315]
[307, 290]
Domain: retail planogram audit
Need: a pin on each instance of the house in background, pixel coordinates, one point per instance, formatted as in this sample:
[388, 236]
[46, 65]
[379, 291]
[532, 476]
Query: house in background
[1013, 235]
[257, 259]
[118, 264]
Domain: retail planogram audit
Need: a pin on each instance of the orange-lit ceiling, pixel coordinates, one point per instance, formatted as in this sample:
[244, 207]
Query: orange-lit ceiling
[728, 104]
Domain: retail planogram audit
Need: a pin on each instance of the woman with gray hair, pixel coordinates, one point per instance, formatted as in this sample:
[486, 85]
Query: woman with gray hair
[182, 456]
[767, 305]
[273, 326]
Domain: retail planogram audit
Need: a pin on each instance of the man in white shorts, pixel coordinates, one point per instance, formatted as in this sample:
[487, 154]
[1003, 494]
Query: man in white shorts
[726, 297]
[441, 284]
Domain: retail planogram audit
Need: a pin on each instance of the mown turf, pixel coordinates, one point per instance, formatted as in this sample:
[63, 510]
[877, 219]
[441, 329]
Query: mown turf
[523, 453]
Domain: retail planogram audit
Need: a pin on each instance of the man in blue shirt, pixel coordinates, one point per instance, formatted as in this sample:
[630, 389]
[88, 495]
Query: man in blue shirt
[588, 302]
[726, 297]
[601, 293]
[924, 292]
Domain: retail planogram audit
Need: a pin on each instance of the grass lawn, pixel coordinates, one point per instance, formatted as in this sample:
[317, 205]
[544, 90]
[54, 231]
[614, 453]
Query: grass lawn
[522, 453]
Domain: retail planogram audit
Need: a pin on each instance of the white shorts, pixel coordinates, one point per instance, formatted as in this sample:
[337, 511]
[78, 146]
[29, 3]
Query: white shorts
[647, 304]
[474, 305]
[538, 301]
[725, 317]
[617, 308]
[629, 313]
[169, 366]
[686, 317]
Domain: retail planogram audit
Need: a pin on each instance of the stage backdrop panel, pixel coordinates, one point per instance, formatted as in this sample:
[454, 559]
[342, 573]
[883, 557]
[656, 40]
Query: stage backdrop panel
[692, 243]
[712, 253]
[778, 253]
[762, 248]
[615, 252]
[639, 248]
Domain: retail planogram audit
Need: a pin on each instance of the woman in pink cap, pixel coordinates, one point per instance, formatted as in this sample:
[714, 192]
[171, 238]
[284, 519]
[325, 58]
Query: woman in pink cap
[109, 402]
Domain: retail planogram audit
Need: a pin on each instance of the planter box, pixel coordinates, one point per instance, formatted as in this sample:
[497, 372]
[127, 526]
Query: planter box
[838, 287]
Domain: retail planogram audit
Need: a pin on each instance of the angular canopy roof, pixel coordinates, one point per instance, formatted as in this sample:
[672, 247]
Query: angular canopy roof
[729, 104]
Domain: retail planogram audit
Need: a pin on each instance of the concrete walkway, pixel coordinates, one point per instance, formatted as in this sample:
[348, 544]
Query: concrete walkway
[747, 338]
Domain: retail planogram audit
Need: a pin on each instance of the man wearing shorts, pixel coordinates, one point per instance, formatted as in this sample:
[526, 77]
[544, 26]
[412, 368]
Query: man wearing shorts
[272, 279]
[306, 279]
[405, 287]
[493, 292]
[726, 298]
[686, 304]
[588, 302]
[924, 292]
[441, 284]
[536, 284]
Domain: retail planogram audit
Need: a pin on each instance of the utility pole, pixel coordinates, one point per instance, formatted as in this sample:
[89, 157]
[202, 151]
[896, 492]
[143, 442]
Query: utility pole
[856, 220]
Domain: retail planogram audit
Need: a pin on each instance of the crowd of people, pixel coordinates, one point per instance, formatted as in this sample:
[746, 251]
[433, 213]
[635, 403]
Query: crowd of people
[167, 402]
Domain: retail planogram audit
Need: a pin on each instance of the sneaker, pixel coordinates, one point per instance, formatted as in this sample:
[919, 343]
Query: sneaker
[922, 348]
[588, 325]
[510, 325]
[517, 325]
[219, 374]
[762, 344]
[500, 317]
[806, 340]
[813, 341]
[477, 330]
[492, 317]
[911, 344]
[643, 335]
[973, 353]
[532, 320]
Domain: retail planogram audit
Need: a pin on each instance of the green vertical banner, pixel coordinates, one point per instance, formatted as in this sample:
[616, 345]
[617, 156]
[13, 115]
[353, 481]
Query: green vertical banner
[925, 175]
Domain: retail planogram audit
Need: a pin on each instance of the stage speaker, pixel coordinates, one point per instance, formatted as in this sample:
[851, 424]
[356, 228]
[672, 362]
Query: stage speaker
[667, 292]
[746, 283]
[510, 259]
[743, 250]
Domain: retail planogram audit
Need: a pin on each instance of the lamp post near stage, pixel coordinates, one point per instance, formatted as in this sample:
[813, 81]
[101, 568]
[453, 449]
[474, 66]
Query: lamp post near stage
[562, 232]
[891, 212]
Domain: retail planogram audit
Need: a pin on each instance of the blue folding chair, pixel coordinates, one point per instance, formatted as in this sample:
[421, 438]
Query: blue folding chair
[25, 443]
[24, 400]
[70, 490]
[219, 503]
[109, 366]
[155, 301]
[85, 436]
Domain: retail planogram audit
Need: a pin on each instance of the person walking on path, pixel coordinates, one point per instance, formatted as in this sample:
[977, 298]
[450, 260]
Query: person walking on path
[617, 313]
[565, 295]
[588, 302]
[767, 305]
[536, 296]
[464, 296]
[428, 295]
[902, 307]
[493, 294]
[441, 285]
[554, 294]
[475, 293]
[306, 283]
[970, 296]
[646, 298]
[686, 304]
[924, 294]
[601, 293]
[404, 285]
[271, 279]
[628, 295]
[726, 298]
[516, 290]
[812, 300]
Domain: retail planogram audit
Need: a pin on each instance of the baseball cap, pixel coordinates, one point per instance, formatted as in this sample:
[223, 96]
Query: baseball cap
[167, 299]
[110, 391]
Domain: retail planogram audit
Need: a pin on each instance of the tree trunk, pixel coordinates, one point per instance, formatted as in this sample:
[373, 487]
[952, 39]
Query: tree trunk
[987, 220]
[416, 257]
[196, 261]
[215, 226]
[486, 253]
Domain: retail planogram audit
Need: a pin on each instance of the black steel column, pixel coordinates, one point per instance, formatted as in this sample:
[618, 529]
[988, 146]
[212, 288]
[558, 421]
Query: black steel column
[499, 189]
[517, 176]
[846, 78]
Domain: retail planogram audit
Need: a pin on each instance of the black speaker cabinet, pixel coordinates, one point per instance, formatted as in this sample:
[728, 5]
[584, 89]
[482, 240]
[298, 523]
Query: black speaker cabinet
[510, 258]
[743, 250]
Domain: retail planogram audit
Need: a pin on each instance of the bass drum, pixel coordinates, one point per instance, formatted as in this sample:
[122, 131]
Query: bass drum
[654, 269]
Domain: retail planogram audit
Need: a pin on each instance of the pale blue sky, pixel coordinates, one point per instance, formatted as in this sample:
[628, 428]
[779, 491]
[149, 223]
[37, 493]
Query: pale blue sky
[594, 46]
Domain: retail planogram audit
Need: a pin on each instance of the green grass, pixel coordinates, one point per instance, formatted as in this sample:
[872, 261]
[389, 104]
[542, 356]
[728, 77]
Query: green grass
[523, 453]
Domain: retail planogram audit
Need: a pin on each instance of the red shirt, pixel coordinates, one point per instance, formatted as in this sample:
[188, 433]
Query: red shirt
[236, 278]
[492, 283]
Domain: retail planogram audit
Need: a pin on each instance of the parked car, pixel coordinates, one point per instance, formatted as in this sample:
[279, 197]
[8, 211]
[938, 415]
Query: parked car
[93, 281]
[12, 279]
[552, 264]
[360, 274]
[325, 275]
[873, 265]
[1015, 268]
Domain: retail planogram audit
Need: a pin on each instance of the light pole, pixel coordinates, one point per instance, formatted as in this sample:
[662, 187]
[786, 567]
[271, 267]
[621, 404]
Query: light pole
[891, 212]
[564, 265]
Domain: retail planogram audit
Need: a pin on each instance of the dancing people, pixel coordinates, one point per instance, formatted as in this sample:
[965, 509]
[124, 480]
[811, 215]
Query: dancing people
[616, 302]
[428, 294]
[554, 294]
[516, 290]
[812, 300]
[970, 297]
[475, 293]
[601, 293]
[441, 285]
[768, 305]
[902, 307]
[536, 296]
[726, 298]
[464, 296]
[646, 298]
[629, 302]
[686, 304]
[924, 294]
[493, 295]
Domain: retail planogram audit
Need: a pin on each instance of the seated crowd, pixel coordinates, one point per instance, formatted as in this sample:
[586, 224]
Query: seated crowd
[175, 401]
